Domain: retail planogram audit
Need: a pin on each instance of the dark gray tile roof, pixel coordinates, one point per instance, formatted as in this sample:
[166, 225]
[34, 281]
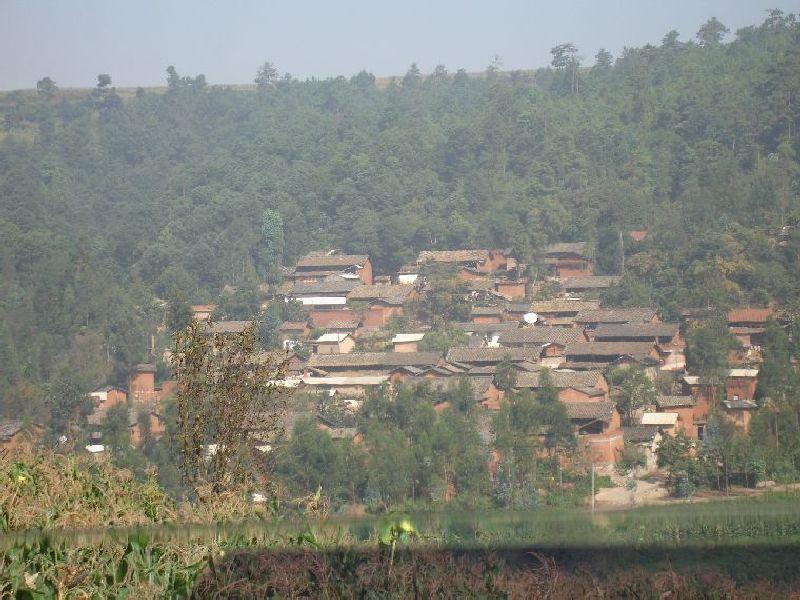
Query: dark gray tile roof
[617, 315]
[374, 359]
[492, 355]
[674, 401]
[601, 411]
[541, 335]
[639, 433]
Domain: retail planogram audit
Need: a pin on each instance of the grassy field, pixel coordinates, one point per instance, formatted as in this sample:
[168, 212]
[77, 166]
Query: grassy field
[743, 545]
[77, 527]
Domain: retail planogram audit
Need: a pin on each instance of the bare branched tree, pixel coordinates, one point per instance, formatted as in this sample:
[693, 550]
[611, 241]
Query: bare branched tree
[228, 400]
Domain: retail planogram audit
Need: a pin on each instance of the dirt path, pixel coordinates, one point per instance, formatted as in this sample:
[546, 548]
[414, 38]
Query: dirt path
[654, 491]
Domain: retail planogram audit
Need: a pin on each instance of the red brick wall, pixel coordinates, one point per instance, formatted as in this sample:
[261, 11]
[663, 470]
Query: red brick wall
[321, 318]
[497, 260]
[576, 268]
[573, 395]
[142, 382]
[486, 319]
[743, 387]
[113, 397]
[378, 316]
[406, 347]
[468, 275]
[365, 272]
[685, 421]
[511, 289]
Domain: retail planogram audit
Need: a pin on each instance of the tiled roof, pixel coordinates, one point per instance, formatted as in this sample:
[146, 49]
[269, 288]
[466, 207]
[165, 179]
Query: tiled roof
[659, 418]
[403, 338]
[452, 256]
[739, 404]
[9, 428]
[749, 315]
[579, 248]
[408, 269]
[373, 359]
[323, 259]
[743, 373]
[317, 288]
[636, 330]
[540, 335]
[486, 327]
[674, 401]
[518, 307]
[610, 349]
[591, 283]
[487, 310]
[331, 338]
[348, 324]
[561, 379]
[492, 355]
[746, 330]
[617, 315]
[559, 306]
[293, 326]
[391, 293]
[601, 411]
[203, 307]
[639, 433]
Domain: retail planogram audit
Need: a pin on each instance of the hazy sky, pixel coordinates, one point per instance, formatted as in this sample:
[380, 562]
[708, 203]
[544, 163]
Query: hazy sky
[134, 40]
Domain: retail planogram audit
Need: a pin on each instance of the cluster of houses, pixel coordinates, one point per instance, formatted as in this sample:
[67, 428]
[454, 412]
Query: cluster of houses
[349, 329]
[349, 325]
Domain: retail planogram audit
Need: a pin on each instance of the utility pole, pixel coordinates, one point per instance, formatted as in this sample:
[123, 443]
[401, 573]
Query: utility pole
[592, 487]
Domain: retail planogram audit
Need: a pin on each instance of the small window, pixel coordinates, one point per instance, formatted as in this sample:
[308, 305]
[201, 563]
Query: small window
[701, 431]
[735, 398]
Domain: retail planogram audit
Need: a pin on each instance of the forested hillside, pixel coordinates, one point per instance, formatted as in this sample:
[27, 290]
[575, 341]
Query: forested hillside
[107, 205]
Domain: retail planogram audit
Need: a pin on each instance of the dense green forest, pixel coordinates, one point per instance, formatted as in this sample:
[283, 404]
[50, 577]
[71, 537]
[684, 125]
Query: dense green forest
[109, 203]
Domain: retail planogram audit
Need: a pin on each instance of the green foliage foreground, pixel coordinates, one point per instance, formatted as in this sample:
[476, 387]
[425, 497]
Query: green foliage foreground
[42, 555]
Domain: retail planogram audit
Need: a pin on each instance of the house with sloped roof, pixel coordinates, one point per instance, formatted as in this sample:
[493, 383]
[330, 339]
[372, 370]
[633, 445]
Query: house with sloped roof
[663, 334]
[407, 342]
[203, 312]
[741, 384]
[592, 385]
[561, 312]
[14, 433]
[492, 356]
[316, 266]
[108, 395]
[328, 294]
[345, 385]
[370, 363]
[590, 285]
[591, 319]
[667, 336]
[570, 259]
[294, 332]
[597, 355]
[408, 274]
[740, 411]
[383, 301]
[470, 262]
[647, 438]
[598, 426]
[486, 314]
[554, 339]
[690, 414]
[748, 324]
[334, 343]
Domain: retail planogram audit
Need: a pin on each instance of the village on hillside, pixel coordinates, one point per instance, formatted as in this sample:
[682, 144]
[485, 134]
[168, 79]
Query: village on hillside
[355, 331]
